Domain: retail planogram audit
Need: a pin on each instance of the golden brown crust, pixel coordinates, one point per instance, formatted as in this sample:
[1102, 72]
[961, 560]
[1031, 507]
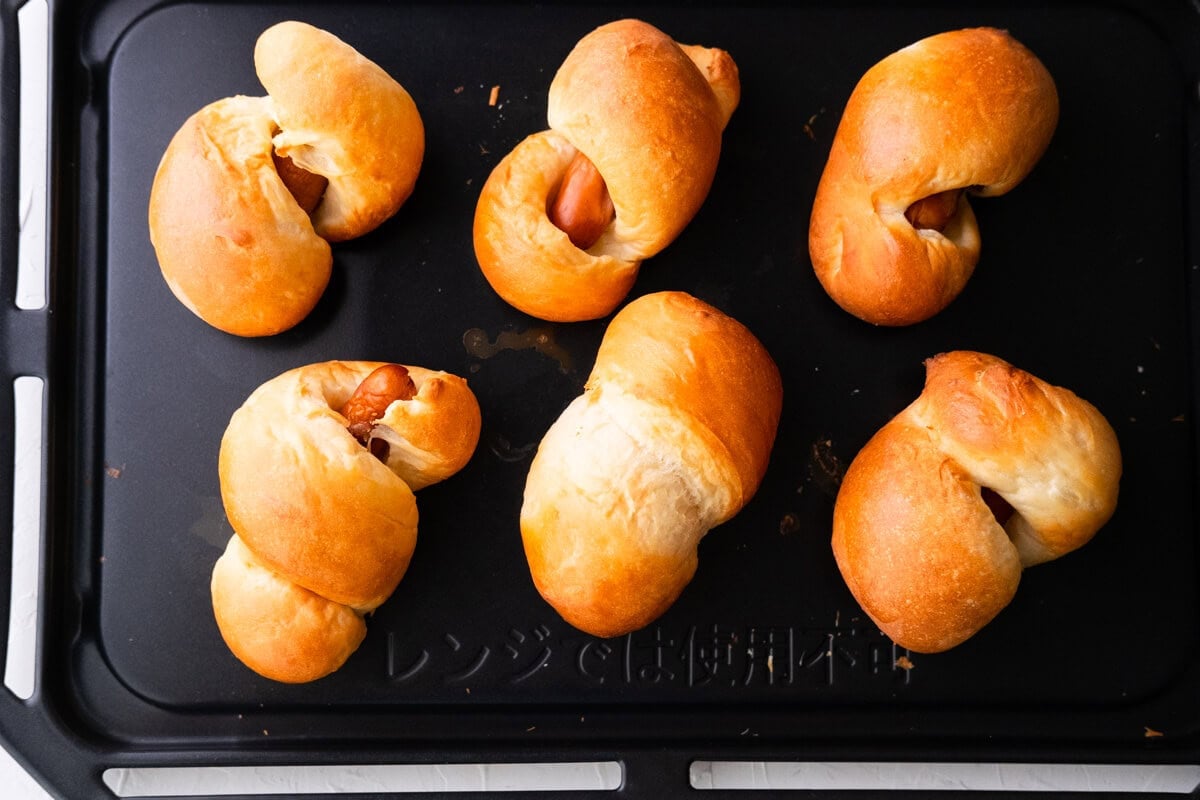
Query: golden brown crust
[527, 260]
[670, 438]
[916, 544]
[970, 110]
[341, 116]
[434, 435]
[637, 106]
[912, 533]
[277, 628]
[648, 113]
[311, 502]
[316, 507]
[673, 349]
[1019, 435]
[623, 590]
[232, 242]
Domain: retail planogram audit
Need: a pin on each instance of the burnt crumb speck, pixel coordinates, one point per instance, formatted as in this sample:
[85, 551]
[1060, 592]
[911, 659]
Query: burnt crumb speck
[1151, 733]
[478, 344]
[808, 128]
[825, 469]
[789, 523]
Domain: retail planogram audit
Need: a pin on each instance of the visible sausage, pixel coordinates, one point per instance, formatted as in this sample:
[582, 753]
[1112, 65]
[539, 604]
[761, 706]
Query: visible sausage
[933, 212]
[307, 187]
[582, 208]
[380, 389]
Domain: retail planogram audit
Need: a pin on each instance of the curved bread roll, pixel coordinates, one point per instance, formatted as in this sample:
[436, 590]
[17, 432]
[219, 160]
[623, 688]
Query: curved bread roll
[343, 117]
[325, 523]
[892, 237]
[670, 438]
[913, 533]
[230, 206]
[645, 115]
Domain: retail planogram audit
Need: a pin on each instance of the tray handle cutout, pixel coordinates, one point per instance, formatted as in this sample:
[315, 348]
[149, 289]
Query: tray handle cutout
[723, 776]
[358, 778]
[932, 777]
[20, 667]
[32, 172]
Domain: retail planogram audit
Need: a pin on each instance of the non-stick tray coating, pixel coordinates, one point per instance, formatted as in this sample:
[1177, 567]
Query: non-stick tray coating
[1086, 280]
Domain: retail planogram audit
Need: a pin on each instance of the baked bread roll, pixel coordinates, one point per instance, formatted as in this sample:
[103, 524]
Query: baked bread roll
[565, 219]
[892, 237]
[670, 438]
[913, 533]
[250, 190]
[318, 469]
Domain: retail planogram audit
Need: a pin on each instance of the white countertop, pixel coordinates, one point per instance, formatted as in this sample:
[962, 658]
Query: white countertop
[16, 781]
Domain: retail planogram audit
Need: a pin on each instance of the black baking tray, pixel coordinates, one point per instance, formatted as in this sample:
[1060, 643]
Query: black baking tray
[1087, 279]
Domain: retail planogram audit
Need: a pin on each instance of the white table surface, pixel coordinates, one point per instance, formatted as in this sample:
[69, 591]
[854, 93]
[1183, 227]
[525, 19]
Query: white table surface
[16, 782]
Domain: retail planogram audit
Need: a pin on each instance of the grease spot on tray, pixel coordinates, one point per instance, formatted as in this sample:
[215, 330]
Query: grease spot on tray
[825, 469]
[541, 339]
